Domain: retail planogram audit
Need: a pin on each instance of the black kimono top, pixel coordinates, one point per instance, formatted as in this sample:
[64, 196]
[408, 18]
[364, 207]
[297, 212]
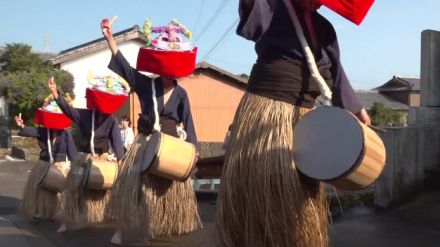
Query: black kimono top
[177, 106]
[106, 129]
[63, 146]
[268, 23]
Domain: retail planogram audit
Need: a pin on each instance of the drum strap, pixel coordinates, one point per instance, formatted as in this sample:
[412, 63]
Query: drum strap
[49, 147]
[156, 112]
[92, 136]
[326, 94]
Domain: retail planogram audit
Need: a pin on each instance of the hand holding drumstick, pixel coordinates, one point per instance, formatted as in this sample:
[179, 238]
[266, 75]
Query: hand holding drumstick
[53, 87]
[19, 121]
[106, 29]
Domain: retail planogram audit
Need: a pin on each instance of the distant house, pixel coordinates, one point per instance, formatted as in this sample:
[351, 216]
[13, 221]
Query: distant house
[398, 93]
[369, 97]
[404, 90]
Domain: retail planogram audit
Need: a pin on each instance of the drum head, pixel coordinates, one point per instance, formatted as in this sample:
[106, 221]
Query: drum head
[151, 150]
[328, 142]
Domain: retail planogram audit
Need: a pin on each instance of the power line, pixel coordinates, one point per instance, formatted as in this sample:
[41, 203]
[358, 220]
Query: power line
[223, 37]
[212, 19]
[198, 17]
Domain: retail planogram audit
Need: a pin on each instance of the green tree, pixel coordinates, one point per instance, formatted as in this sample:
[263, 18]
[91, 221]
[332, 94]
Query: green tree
[245, 76]
[19, 57]
[381, 115]
[24, 81]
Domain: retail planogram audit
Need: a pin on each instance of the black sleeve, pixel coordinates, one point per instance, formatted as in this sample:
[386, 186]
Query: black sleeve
[255, 18]
[32, 132]
[70, 111]
[120, 66]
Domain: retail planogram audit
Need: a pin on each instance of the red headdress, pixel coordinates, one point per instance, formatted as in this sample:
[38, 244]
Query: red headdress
[106, 94]
[353, 10]
[170, 54]
[50, 116]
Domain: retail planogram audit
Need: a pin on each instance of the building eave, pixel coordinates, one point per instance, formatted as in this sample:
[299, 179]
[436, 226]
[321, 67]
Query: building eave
[98, 44]
[237, 81]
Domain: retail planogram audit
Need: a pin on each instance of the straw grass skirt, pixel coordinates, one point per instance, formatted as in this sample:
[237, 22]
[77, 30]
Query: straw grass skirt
[82, 206]
[39, 202]
[263, 201]
[148, 206]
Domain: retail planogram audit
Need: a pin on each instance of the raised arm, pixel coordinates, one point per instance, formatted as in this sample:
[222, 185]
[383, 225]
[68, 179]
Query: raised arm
[27, 131]
[71, 112]
[106, 29]
[118, 63]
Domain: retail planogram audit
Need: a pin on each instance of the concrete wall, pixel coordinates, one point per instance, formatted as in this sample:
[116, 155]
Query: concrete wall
[429, 68]
[410, 151]
[25, 148]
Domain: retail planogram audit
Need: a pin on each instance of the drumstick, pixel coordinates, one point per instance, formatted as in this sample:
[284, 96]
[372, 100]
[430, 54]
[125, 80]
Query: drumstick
[378, 129]
[19, 115]
[113, 20]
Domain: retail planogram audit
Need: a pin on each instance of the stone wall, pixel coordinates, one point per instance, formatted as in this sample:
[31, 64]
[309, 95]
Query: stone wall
[410, 151]
[25, 148]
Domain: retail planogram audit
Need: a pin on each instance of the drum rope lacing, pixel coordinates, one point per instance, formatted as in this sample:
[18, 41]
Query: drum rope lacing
[326, 94]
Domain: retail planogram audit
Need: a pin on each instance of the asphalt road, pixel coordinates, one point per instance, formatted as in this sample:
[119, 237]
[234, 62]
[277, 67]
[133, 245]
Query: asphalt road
[417, 223]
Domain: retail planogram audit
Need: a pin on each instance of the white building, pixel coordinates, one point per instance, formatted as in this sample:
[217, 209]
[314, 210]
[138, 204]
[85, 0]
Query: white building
[95, 56]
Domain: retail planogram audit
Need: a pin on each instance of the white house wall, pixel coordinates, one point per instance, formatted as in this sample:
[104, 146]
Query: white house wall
[97, 62]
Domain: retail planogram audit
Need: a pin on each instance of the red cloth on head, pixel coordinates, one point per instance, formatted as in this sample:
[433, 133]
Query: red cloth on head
[172, 64]
[52, 120]
[104, 102]
[353, 10]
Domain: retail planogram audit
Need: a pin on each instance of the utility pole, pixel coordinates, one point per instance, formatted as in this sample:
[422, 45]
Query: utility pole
[46, 44]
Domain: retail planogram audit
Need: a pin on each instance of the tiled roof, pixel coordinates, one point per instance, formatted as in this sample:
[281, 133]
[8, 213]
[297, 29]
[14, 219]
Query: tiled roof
[367, 98]
[400, 84]
[239, 80]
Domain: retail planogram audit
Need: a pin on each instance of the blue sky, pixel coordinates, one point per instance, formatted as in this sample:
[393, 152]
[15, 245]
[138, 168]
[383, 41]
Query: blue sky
[386, 44]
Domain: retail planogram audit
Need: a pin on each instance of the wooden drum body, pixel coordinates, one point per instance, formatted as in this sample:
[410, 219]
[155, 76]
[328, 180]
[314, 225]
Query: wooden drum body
[173, 158]
[55, 178]
[333, 146]
[101, 174]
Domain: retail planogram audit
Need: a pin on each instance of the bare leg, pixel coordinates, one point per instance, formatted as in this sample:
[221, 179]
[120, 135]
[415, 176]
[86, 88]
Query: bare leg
[117, 237]
[63, 228]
